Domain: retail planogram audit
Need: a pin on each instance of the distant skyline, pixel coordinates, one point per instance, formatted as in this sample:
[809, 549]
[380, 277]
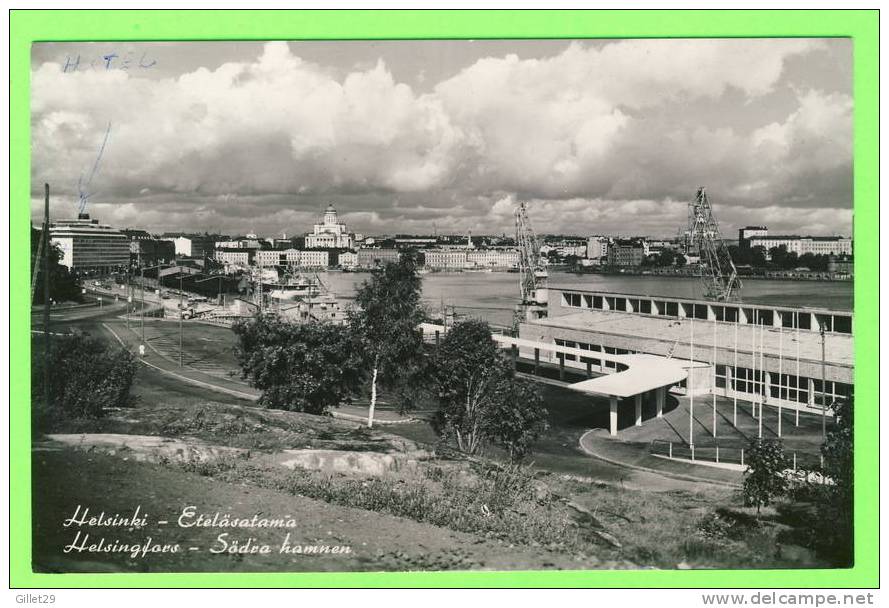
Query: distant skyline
[598, 137]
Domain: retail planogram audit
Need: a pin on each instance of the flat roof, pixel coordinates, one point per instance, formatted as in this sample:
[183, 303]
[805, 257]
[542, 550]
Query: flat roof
[644, 373]
[839, 348]
[733, 304]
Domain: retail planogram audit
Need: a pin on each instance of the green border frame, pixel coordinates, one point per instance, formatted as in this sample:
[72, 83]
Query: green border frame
[860, 25]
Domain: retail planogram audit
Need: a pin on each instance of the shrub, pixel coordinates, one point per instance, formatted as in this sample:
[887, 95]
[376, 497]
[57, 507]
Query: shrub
[303, 367]
[86, 377]
[481, 400]
[764, 479]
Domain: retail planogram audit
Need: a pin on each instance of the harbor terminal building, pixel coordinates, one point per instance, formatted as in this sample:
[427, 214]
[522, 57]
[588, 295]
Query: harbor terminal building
[793, 357]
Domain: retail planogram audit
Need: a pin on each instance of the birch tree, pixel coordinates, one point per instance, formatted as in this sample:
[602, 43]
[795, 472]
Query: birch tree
[386, 323]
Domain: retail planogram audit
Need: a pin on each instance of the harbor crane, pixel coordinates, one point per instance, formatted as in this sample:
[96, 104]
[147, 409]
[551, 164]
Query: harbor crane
[532, 271]
[718, 273]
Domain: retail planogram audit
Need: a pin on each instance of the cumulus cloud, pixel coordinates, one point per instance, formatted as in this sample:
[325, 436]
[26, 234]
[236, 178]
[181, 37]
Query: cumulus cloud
[596, 136]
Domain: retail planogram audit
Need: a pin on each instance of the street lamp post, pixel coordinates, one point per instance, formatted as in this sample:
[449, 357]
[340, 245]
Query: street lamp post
[142, 297]
[823, 388]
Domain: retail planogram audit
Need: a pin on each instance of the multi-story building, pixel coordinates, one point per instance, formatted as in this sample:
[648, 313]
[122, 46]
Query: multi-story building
[445, 259]
[193, 245]
[748, 232]
[796, 356]
[627, 252]
[241, 257]
[145, 250]
[371, 257]
[88, 246]
[314, 259]
[597, 248]
[817, 245]
[292, 257]
[492, 258]
[330, 233]
[348, 259]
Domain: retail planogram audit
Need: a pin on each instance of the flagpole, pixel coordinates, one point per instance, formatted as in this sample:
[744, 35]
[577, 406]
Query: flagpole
[735, 378]
[797, 369]
[714, 378]
[780, 373]
[762, 374]
[753, 388]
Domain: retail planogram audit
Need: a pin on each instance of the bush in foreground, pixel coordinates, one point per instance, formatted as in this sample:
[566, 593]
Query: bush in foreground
[87, 376]
[482, 402]
[301, 367]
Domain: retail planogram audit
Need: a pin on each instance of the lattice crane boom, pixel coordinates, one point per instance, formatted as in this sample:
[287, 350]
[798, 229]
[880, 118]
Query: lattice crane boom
[718, 273]
[532, 274]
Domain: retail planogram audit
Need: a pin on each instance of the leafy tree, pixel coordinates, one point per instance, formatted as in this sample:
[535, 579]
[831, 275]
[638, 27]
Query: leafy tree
[680, 260]
[837, 496]
[764, 479]
[386, 323]
[783, 259]
[63, 286]
[305, 367]
[87, 376]
[481, 400]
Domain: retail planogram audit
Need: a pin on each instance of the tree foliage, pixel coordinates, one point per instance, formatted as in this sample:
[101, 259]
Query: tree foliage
[481, 400]
[63, 286]
[386, 323]
[836, 497]
[304, 367]
[764, 480]
[86, 377]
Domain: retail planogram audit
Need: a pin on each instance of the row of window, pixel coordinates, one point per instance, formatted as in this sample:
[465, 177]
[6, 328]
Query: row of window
[730, 314]
[608, 350]
[789, 387]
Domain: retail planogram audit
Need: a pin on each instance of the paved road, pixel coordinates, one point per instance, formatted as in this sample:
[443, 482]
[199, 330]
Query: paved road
[571, 414]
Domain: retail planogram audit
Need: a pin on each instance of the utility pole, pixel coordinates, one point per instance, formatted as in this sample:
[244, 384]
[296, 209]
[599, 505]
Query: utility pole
[45, 236]
[797, 370]
[142, 303]
[181, 313]
[691, 395]
[823, 388]
[128, 296]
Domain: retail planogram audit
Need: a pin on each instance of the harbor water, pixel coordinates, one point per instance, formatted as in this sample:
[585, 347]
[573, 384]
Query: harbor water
[493, 295]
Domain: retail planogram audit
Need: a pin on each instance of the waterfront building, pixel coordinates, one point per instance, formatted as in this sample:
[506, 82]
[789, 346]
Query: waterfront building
[627, 252]
[313, 259]
[777, 354]
[370, 257]
[817, 245]
[597, 248]
[292, 257]
[88, 246]
[330, 233]
[445, 259]
[748, 232]
[348, 260]
[492, 258]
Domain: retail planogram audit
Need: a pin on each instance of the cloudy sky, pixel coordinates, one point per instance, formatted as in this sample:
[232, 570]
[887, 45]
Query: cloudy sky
[411, 136]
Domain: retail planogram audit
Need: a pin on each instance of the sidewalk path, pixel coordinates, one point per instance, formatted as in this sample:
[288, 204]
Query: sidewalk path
[599, 444]
[153, 359]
